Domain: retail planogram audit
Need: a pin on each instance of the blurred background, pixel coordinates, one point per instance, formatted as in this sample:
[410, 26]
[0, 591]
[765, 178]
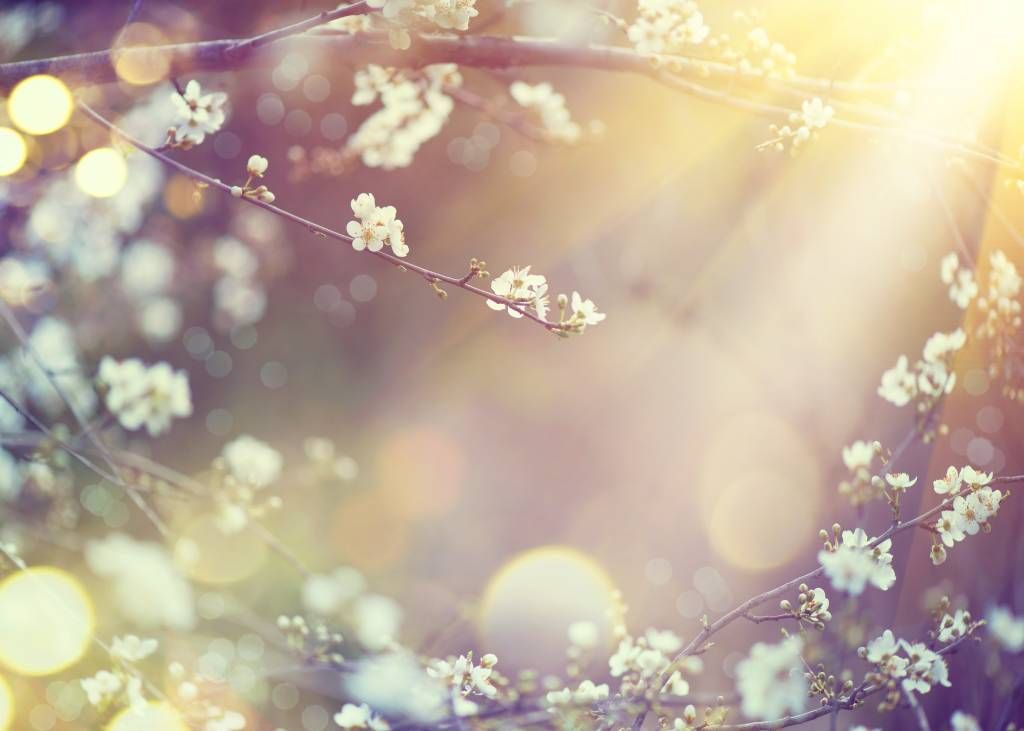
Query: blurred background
[498, 482]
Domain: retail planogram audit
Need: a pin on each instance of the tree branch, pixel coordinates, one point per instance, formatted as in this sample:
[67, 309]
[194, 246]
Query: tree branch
[430, 276]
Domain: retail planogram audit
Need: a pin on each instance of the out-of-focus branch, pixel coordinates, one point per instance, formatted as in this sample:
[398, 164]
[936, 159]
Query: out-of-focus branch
[685, 74]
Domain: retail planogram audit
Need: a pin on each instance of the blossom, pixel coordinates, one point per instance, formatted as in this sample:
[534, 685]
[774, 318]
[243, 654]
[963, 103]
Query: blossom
[899, 385]
[770, 680]
[854, 563]
[584, 312]
[900, 481]
[926, 668]
[953, 626]
[519, 286]
[465, 676]
[101, 687]
[587, 693]
[667, 26]
[352, 716]
[962, 286]
[140, 395]
[132, 649]
[859, 455]
[1006, 628]
[447, 14]
[257, 166]
[376, 226]
[549, 105]
[883, 652]
[948, 484]
[198, 114]
[975, 478]
[252, 461]
[815, 114]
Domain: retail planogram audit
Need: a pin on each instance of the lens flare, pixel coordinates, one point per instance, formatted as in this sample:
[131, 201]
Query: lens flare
[101, 172]
[40, 104]
[13, 151]
[153, 717]
[530, 602]
[48, 621]
[6, 704]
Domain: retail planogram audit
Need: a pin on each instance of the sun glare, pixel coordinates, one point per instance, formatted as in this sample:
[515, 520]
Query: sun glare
[40, 105]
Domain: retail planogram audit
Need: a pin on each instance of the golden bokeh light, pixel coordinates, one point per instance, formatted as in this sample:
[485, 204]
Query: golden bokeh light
[182, 197]
[207, 554]
[102, 172]
[48, 621]
[152, 717]
[133, 63]
[530, 602]
[13, 151]
[40, 104]
[6, 704]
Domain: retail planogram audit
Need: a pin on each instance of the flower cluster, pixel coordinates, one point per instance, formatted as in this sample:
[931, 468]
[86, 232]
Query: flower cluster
[667, 27]
[860, 487]
[637, 660]
[853, 561]
[587, 693]
[812, 607]
[445, 14]
[930, 378]
[550, 108]
[376, 226]
[974, 503]
[753, 52]
[246, 465]
[255, 168]
[803, 127]
[140, 395]
[199, 114]
[916, 670]
[122, 685]
[352, 716]
[770, 680]
[466, 677]
[523, 289]
[962, 286]
[415, 108]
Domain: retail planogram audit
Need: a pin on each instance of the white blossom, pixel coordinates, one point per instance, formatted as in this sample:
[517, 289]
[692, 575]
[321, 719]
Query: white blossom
[198, 114]
[375, 226]
[140, 395]
[252, 462]
[550, 108]
[132, 649]
[770, 680]
[352, 716]
[1006, 628]
[520, 286]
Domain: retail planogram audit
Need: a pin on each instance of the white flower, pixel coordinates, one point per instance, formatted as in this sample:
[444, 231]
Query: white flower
[853, 564]
[926, 668]
[1007, 628]
[900, 481]
[770, 680]
[353, 716]
[975, 478]
[101, 687]
[376, 620]
[327, 594]
[883, 652]
[953, 626]
[199, 114]
[899, 385]
[665, 641]
[145, 396]
[948, 484]
[252, 462]
[376, 226]
[950, 528]
[257, 166]
[132, 649]
[520, 286]
[815, 114]
[584, 312]
[859, 455]
[550, 107]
